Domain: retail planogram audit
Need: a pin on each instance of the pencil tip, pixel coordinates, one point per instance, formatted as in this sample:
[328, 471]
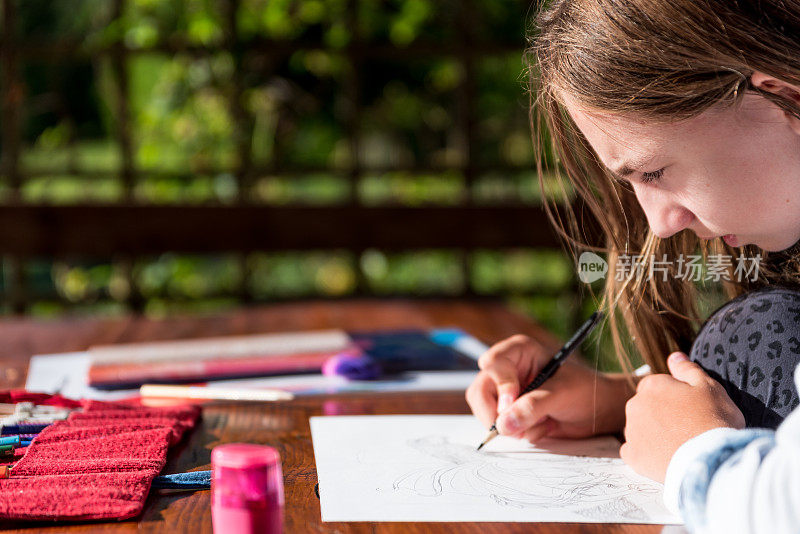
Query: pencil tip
[481, 445]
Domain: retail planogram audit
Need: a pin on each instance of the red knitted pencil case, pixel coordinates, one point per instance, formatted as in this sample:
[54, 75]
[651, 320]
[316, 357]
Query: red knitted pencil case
[97, 464]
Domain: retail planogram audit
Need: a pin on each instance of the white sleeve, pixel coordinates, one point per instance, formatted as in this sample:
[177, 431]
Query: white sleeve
[746, 481]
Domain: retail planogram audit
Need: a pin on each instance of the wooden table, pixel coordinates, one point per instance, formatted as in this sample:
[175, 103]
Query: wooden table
[284, 425]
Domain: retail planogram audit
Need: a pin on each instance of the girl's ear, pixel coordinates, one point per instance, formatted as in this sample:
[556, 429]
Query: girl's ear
[781, 88]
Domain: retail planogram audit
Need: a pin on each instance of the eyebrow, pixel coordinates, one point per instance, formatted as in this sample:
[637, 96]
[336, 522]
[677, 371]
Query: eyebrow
[623, 171]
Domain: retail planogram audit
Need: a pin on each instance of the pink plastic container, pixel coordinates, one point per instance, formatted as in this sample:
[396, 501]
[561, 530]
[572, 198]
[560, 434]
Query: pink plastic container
[246, 489]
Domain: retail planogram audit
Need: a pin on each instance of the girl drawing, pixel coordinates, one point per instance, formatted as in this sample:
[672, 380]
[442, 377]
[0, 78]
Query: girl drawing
[677, 125]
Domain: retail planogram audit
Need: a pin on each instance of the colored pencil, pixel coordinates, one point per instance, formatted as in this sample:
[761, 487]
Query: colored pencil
[213, 393]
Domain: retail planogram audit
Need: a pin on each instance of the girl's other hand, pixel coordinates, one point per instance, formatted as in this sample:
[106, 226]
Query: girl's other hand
[575, 402]
[669, 410]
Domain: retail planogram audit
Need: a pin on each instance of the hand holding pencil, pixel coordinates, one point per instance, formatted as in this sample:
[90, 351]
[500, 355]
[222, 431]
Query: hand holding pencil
[575, 402]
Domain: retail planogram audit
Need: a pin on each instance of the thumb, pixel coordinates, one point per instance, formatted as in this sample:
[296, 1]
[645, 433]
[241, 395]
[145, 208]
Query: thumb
[685, 370]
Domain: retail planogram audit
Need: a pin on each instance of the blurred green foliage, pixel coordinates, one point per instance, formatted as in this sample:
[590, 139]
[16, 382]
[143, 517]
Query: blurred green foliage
[187, 142]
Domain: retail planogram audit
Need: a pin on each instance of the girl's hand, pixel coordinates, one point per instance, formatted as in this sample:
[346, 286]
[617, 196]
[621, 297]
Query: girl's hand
[669, 410]
[575, 402]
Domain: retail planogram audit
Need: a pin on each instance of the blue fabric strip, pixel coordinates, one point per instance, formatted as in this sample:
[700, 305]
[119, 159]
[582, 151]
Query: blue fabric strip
[10, 430]
[190, 480]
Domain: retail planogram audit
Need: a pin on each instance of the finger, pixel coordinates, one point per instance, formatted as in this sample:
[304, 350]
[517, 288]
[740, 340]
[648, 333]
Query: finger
[505, 400]
[526, 412]
[540, 430]
[519, 435]
[685, 370]
[508, 348]
[482, 399]
[527, 354]
[506, 381]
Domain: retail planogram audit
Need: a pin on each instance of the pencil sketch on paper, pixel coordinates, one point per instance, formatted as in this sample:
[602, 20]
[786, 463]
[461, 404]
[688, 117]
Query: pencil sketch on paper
[426, 468]
[589, 486]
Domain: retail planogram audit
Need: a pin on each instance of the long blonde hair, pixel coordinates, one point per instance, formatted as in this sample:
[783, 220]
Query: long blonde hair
[658, 60]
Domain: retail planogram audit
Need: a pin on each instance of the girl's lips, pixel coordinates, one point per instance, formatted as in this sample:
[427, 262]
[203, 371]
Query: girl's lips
[731, 240]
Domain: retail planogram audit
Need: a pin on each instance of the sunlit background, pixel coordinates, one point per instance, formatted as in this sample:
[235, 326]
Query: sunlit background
[350, 105]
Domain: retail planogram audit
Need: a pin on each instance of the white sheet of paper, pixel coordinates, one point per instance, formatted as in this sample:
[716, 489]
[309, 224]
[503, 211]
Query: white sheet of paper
[66, 374]
[426, 468]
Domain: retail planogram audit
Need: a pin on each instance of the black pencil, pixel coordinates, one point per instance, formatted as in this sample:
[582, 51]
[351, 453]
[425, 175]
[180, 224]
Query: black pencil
[553, 365]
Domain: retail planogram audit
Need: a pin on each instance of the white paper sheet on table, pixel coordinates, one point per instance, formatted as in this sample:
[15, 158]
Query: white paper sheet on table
[66, 374]
[426, 468]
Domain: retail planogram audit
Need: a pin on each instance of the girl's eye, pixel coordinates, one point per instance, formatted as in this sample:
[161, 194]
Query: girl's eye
[649, 177]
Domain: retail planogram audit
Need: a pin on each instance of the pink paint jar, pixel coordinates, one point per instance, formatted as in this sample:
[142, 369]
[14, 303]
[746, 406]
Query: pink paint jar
[246, 489]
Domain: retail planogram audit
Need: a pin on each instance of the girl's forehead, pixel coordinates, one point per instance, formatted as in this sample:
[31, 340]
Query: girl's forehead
[619, 123]
[617, 135]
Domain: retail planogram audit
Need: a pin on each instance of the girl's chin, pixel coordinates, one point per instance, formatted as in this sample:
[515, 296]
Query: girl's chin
[776, 245]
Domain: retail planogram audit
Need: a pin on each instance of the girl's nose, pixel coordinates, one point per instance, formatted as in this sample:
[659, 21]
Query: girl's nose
[664, 216]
